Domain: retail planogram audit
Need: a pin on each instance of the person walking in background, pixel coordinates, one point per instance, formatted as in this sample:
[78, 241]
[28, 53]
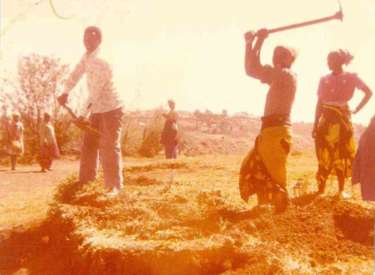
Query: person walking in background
[4, 122]
[333, 130]
[264, 170]
[169, 135]
[48, 144]
[364, 163]
[104, 108]
[15, 139]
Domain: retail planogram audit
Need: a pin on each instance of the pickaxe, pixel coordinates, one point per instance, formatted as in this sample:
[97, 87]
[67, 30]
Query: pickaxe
[338, 15]
[85, 126]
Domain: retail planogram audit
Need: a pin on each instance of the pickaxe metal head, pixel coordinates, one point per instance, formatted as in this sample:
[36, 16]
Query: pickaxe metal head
[340, 15]
[337, 16]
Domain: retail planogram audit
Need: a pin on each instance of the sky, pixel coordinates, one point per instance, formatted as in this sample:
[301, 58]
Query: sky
[193, 51]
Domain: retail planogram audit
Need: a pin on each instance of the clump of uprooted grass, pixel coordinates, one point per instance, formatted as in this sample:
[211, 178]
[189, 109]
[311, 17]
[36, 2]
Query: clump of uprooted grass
[148, 232]
[161, 165]
[153, 231]
[142, 180]
[158, 227]
[73, 192]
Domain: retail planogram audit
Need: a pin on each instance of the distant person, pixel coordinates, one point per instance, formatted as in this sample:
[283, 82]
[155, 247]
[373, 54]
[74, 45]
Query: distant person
[264, 170]
[333, 130]
[4, 122]
[364, 163]
[15, 139]
[48, 144]
[169, 136]
[104, 108]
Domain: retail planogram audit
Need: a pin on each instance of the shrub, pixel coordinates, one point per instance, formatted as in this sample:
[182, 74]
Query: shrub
[151, 139]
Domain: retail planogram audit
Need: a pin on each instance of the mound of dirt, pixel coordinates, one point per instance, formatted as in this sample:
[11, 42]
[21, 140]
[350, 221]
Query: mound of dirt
[197, 143]
[175, 228]
[180, 230]
[355, 223]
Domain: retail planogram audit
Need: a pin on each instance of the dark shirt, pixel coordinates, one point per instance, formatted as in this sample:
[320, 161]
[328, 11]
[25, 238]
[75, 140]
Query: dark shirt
[170, 131]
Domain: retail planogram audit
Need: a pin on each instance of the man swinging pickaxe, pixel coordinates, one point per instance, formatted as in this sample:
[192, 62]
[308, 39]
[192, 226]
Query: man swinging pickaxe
[264, 171]
[337, 16]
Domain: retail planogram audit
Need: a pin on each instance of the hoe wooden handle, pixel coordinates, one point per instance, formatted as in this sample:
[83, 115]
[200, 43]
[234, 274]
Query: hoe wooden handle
[82, 125]
[337, 16]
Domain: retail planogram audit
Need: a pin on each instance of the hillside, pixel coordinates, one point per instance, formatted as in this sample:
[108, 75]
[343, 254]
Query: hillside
[209, 133]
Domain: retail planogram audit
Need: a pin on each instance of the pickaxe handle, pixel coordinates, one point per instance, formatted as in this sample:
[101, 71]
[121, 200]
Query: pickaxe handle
[339, 16]
[70, 111]
[83, 126]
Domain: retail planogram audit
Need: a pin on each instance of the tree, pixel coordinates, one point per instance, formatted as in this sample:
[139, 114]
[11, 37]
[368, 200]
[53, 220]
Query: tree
[151, 139]
[198, 116]
[40, 80]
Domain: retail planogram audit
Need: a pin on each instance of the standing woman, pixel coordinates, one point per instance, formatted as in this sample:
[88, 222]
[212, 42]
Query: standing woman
[333, 130]
[48, 144]
[15, 139]
[4, 125]
[169, 136]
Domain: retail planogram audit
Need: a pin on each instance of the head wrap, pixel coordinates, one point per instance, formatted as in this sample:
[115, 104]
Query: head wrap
[340, 56]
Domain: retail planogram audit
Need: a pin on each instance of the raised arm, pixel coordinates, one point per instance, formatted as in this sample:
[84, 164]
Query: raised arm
[253, 66]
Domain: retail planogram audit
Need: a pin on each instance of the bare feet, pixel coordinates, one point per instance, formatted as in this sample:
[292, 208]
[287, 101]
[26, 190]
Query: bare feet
[321, 188]
[343, 195]
[113, 193]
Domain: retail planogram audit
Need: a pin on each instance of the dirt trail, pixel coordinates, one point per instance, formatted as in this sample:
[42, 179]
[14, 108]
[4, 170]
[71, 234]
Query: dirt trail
[26, 192]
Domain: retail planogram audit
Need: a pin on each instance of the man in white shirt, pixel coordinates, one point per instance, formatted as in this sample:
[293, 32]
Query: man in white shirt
[104, 108]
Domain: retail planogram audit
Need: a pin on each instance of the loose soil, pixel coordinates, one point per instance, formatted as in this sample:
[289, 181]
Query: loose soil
[186, 217]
